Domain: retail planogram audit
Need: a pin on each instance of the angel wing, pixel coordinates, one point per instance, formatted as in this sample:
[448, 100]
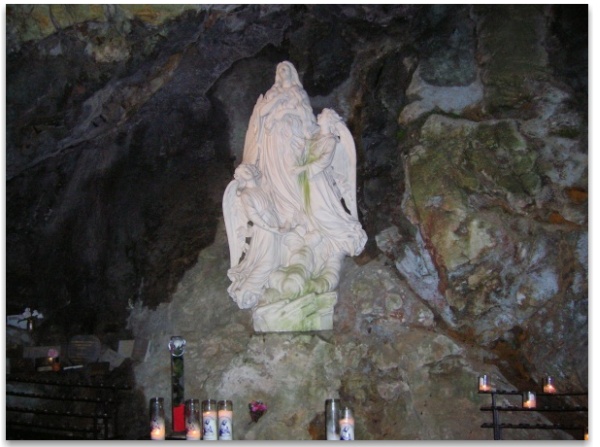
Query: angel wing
[344, 167]
[235, 222]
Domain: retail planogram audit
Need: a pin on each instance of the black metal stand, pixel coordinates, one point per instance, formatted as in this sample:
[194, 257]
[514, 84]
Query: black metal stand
[56, 406]
[496, 409]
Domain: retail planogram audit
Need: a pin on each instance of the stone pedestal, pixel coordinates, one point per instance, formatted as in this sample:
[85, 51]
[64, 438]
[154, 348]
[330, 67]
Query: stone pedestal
[308, 313]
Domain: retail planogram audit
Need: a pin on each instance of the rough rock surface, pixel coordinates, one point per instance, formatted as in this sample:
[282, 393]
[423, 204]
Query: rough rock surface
[124, 125]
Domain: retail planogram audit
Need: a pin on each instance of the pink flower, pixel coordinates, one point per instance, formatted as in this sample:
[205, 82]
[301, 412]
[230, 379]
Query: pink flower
[257, 409]
[257, 406]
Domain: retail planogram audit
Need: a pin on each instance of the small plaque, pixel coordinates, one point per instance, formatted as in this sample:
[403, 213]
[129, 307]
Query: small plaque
[84, 349]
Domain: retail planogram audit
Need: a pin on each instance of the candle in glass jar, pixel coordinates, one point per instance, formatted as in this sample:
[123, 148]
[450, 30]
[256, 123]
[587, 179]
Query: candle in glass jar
[193, 434]
[332, 419]
[209, 420]
[484, 383]
[158, 432]
[529, 400]
[192, 419]
[549, 387]
[346, 424]
[225, 420]
[157, 419]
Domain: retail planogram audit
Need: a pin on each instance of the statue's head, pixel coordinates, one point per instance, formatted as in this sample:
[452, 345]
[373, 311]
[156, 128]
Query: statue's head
[247, 172]
[286, 75]
[328, 118]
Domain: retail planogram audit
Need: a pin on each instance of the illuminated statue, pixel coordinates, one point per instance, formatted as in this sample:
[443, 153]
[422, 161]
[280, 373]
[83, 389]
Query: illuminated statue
[290, 213]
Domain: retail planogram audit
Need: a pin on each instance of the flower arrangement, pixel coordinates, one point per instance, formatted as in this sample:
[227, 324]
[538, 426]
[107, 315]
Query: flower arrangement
[30, 317]
[257, 409]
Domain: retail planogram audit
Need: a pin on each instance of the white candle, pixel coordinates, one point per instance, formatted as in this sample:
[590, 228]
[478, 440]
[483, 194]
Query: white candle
[157, 419]
[193, 432]
[347, 429]
[209, 425]
[484, 383]
[347, 424]
[225, 425]
[157, 432]
[549, 387]
[529, 400]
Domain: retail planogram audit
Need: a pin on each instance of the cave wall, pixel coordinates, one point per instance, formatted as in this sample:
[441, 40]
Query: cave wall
[125, 122]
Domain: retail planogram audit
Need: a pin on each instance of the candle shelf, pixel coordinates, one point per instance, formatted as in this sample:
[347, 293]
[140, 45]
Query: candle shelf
[553, 407]
[60, 406]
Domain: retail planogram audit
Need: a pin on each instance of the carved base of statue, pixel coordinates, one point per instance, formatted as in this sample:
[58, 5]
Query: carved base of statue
[308, 313]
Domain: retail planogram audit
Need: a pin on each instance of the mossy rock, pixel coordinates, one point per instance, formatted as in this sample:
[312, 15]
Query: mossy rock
[459, 159]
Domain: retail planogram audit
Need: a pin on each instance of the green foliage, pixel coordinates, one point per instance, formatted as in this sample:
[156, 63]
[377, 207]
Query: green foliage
[177, 380]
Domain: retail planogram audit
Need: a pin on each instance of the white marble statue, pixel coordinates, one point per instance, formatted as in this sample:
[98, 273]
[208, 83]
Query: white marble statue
[290, 212]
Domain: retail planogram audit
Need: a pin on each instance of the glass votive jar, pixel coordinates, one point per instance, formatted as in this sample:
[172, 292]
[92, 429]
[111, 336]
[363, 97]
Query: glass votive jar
[529, 400]
[225, 420]
[157, 419]
[346, 424]
[549, 385]
[192, 420]
[484, 383]
[332, 419]
[209, 420]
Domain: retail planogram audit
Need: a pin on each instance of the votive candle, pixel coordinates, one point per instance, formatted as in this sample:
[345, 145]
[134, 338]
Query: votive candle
[549, 387]
[332, 419]
[529, 400]
[192, 420]
[158, 432]
[347, 424]
[157, 419]
[209, 420]
[484, 383]
[225, 420]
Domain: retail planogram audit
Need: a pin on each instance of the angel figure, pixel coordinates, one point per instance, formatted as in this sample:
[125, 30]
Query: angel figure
[253, 234]
[329, 179]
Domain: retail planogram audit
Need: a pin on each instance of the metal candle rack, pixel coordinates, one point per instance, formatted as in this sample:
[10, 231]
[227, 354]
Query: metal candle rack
[76, 401]
[496, 409]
